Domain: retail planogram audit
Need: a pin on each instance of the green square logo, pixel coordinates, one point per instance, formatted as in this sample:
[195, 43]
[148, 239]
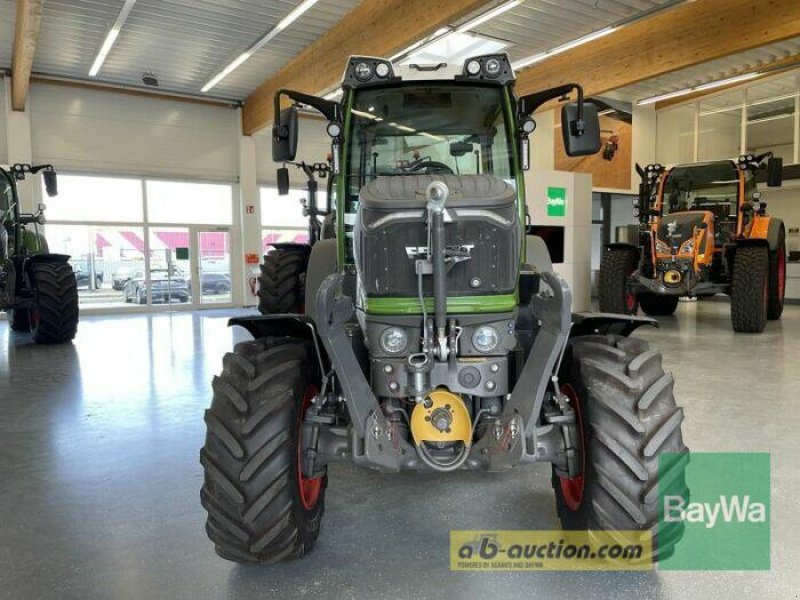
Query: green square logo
[556, 202]
[726, 518]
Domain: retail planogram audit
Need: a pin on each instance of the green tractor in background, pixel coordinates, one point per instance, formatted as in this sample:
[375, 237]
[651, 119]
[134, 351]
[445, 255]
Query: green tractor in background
[37, 289]
[432, 336]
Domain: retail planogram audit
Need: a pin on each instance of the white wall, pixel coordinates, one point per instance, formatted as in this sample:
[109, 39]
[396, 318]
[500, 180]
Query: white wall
[784, 202]
[3, 124]
[79, 129]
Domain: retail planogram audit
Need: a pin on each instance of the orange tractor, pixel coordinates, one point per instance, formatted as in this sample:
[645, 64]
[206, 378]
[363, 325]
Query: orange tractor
[703, 230]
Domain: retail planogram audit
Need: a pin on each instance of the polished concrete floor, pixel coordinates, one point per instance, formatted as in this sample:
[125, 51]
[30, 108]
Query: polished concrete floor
[100, 479]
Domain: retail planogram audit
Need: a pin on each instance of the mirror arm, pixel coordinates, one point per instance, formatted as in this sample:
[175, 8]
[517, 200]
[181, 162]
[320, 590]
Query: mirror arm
[532, 102]
[328, 108]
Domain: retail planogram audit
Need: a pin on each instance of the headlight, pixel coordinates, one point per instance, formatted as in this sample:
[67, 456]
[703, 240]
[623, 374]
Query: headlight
[485, 339]
[661, 247]
[492, 67]
[473, 67]
[687, 247]
[382, 70]
[394, 340]
[362, 71]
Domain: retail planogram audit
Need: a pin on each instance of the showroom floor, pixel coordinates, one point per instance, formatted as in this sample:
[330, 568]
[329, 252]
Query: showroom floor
[100, 475]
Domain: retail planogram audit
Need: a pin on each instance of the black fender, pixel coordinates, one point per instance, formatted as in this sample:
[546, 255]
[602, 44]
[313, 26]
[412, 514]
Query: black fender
[42, 259]
[607, 323]
[280, 325]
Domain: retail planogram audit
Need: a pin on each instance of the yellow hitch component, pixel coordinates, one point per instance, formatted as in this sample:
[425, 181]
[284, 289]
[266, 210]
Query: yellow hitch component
[442, 417]
[672, 277]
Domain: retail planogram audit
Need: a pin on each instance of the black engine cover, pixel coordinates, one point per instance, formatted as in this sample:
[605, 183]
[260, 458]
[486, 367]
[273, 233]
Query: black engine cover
[481, 231]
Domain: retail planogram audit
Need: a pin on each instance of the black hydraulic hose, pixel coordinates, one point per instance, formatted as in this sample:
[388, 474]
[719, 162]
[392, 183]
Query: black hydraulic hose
[439, 274]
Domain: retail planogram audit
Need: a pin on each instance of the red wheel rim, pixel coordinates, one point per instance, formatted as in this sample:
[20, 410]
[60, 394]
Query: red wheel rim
[781, 273]
[310, 487]
[33, 317]
[572, 488]
[630, 302]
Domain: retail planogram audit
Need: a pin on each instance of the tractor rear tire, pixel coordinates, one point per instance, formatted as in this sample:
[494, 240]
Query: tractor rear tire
[281, 285]
[54, 316]
[260, 508]
[657, 305]
[615, 268]
[777, 278]
[750, 289]
[18, 320]
[629, 422]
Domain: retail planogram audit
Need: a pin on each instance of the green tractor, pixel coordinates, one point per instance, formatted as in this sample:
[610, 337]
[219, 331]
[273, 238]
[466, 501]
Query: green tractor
[433, 337]
[37, 289]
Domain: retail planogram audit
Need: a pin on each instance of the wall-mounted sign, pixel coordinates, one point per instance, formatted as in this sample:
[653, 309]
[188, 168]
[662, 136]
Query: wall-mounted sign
[556, 202]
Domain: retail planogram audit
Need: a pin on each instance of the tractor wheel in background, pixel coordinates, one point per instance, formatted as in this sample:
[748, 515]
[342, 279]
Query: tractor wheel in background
[777, 278]
[657, 305]
[281, 285]
[750, 289]
[628, 419]
[18, 319]
[261, 508]
[54, 316]
[615, 268]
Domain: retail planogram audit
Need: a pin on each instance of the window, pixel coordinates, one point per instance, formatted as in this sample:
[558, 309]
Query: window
[770, 117]
[104, 199]
[719, 133]
[282, 218]
[181, 202]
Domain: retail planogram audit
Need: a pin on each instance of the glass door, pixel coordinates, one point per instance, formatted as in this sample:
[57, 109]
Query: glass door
[170, 281]
[212, 265]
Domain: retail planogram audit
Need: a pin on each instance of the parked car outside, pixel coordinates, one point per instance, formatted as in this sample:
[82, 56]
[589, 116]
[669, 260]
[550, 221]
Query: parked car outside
[83, 273]
[163, 288]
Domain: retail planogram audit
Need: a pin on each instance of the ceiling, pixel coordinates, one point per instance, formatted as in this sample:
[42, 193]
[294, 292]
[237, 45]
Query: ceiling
[714, 70]
[186, 42]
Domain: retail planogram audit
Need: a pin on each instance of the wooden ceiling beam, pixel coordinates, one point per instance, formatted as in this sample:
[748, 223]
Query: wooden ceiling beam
[687, 35]
[29, 16]
[373, 28]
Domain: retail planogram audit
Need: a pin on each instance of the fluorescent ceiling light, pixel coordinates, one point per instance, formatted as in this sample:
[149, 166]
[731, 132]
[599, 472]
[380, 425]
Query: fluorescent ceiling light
[111, 37]
[263, 40]
[698, 88]
[439, 33]
[526, 62]
[488, 16]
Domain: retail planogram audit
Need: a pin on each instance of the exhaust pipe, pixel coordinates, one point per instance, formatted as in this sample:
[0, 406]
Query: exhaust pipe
[436, 194]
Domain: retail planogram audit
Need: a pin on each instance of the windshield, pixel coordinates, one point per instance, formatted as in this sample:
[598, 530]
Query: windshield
[713, 187]
[430, 129]
[6, 199]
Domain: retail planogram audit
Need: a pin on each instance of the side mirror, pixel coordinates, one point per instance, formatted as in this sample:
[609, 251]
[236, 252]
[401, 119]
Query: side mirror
[50, 183]
[581, 136]
[283, 181]
[775, 172]
[284, 135]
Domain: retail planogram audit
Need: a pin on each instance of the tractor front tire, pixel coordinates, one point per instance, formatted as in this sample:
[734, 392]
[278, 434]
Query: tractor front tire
[260, 506]
[750, 289]
[657, 305]
[281, 285]
[615, 268]
[777, 278]
[629, 421]
[54, 316]
[18, 320]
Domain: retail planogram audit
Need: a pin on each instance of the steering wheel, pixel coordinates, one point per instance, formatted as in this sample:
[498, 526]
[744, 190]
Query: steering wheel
[432, 166]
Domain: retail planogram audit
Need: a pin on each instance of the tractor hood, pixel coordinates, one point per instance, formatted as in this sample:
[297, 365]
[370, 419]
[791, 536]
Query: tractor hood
[676, 232]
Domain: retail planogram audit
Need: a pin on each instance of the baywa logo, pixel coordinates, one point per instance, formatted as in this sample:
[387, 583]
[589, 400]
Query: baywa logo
[721, 509]
[556, 202]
